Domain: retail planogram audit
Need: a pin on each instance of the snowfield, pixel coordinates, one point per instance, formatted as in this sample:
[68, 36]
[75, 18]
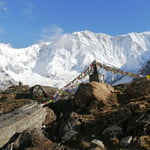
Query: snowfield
[55, 63]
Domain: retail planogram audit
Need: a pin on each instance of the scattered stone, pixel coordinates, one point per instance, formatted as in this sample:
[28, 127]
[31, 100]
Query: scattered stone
[100, 144]
[114, 141]
[126, 141]
[144, 141]
[139, 124]
[113, 132]
[69, 129]
[96, 148]
[85, 144]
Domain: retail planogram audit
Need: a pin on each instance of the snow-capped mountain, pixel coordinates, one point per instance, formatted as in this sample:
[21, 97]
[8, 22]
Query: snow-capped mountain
[55, 63]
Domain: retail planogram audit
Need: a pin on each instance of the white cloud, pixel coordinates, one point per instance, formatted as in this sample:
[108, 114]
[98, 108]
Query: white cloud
[3, 6]
[51, 33]
[28, 12]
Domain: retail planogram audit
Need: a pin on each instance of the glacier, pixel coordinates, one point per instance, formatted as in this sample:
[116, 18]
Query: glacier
[57, 62]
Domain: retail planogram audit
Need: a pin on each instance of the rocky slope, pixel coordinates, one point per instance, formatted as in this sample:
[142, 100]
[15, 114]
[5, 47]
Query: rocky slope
[99, 117]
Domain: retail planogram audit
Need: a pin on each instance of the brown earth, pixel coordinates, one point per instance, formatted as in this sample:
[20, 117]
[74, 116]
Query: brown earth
[19, 95]
[14, 97]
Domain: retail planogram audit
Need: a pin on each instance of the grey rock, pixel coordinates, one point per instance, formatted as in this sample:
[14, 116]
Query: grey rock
[126, 141]
[99, 143]
[12, 123]
[69, 129]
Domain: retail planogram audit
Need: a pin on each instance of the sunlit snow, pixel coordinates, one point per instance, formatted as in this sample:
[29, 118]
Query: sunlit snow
[55, 63]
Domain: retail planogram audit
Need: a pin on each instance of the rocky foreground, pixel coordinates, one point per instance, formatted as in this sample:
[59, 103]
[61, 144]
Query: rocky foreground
[98, 117]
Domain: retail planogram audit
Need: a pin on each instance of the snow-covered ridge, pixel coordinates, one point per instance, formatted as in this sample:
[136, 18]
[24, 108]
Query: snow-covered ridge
[57, 62]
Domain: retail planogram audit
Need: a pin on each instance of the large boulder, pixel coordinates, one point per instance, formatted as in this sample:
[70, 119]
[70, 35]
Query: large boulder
[87, 93]
[38, 91]
[28, 116]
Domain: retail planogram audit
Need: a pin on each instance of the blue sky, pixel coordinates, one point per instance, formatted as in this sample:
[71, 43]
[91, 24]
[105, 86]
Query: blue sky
[25, 22]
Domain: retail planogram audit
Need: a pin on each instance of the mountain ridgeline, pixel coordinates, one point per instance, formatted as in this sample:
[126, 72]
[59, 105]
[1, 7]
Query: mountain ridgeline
[57, 62]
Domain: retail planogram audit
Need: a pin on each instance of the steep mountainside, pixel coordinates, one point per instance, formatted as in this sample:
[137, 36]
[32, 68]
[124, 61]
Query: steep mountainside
[5, 80]
[146, 69]
[57, 62]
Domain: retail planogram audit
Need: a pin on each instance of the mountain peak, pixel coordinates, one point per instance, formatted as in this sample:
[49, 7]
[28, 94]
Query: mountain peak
[56, 63]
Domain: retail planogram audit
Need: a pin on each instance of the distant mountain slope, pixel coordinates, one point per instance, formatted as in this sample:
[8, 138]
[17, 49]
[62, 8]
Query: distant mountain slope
[5, 80]
[57, 62]
[146, 69]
